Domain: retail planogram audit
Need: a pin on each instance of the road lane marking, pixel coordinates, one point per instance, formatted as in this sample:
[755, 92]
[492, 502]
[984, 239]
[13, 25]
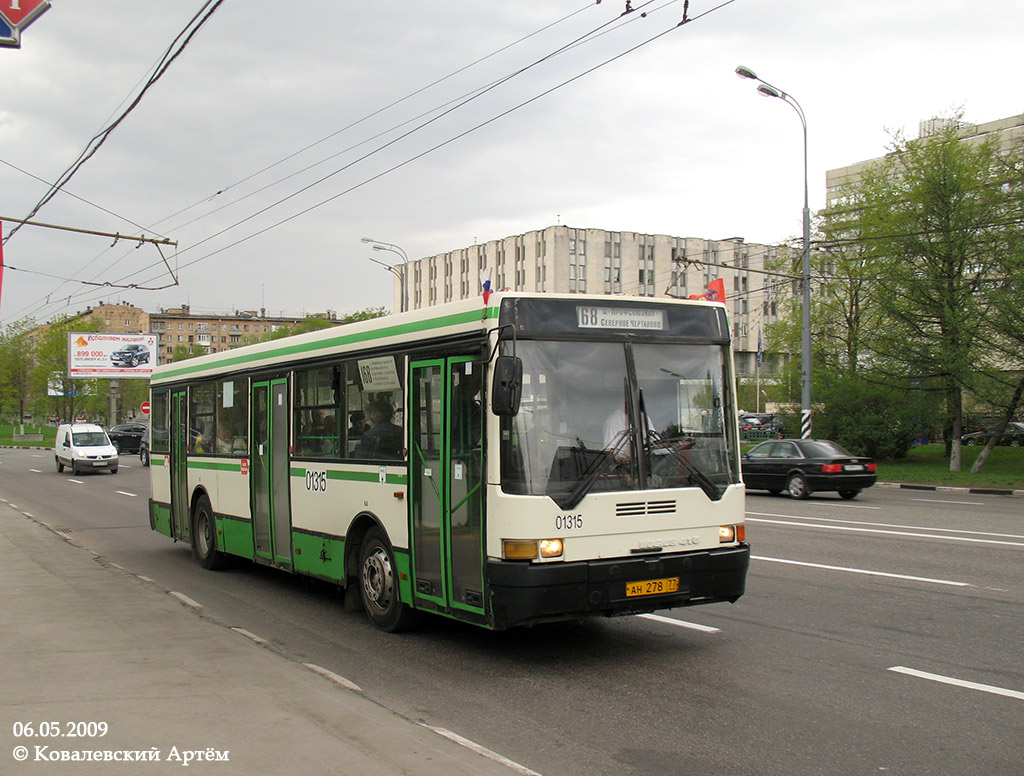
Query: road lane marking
[251, 636]
[893, 525]
[958, 682]
[126, 493]
[946, 501]
[889, 533]
[679, 623]
[185, 599]
[862, 571]
[37, 471]
[481, 750]
[77, 482]
[339, 680]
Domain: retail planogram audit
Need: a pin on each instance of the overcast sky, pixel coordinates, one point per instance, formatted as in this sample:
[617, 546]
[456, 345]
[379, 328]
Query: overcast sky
[666, 139]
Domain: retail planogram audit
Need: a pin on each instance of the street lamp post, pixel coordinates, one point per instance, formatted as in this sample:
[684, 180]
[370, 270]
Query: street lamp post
[403, 276]
[767, 90]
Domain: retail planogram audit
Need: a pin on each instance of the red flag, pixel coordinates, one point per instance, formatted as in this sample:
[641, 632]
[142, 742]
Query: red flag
[715, 292]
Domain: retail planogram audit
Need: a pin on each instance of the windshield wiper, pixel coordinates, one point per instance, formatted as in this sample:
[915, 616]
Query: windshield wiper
[696, 476]
[597, 464]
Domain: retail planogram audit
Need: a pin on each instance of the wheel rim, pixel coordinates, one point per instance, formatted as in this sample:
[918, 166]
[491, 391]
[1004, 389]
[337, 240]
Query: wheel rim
[204, 533]
[378, 580]
[796, 487]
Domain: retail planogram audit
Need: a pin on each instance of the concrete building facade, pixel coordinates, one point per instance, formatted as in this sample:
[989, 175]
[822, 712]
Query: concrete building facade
[572, 260]
[1008, 133]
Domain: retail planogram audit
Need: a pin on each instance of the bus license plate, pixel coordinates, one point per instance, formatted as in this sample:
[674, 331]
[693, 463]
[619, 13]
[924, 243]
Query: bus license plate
[652, 587]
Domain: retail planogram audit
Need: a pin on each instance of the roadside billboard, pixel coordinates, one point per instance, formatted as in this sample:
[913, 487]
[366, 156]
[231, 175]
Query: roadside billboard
[111, 356]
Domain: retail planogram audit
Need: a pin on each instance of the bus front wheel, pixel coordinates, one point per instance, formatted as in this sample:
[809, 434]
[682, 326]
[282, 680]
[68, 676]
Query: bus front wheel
[204, 537]
[379, 585]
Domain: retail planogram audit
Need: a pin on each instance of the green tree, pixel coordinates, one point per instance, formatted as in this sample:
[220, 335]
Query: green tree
[17, 348]
[50, 370]
[185, 352]
[928, 223]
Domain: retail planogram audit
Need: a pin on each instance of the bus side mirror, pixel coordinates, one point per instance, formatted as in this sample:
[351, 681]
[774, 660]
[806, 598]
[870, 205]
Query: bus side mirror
[507, 390]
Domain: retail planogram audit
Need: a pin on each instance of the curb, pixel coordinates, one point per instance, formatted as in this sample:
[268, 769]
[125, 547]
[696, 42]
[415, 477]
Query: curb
[952, 489]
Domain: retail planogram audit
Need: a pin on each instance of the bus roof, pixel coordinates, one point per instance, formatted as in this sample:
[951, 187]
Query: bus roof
[461, 318]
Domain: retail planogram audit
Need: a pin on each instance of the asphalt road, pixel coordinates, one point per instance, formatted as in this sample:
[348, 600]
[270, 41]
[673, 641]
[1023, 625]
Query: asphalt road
[882, 635]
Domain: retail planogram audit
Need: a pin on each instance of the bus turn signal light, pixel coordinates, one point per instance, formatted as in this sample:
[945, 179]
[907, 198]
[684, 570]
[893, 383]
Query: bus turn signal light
[519, 550]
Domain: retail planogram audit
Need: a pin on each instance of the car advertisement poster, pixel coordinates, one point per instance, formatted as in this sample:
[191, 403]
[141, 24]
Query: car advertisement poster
[96, 354]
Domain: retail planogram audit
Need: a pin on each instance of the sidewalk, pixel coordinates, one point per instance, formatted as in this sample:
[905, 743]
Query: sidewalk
[83, 641]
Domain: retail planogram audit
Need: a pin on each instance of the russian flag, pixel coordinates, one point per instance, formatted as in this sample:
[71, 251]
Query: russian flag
[485, 283]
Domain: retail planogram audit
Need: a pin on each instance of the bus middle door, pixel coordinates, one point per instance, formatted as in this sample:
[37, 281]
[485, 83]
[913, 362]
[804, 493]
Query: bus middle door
[181, 518]
[446, 485]
[271, 497]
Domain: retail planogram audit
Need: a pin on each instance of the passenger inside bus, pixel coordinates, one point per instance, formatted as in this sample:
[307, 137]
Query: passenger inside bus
[357, 425]
[383, 439]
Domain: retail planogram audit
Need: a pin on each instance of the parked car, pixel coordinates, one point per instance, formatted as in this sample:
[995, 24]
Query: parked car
[805, 466]
[84, 447]
[127, 436]
[131, 355]
[144, 447]
[1013, 436]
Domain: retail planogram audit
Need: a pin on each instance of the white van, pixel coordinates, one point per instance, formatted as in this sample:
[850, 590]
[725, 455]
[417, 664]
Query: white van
[84, 447]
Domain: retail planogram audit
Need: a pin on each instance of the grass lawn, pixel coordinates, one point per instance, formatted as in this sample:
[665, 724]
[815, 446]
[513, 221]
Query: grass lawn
[926, 465]
[8, 430]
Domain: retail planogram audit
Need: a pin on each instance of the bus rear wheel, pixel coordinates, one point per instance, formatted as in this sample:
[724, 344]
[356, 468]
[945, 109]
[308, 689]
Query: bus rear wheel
[204, 537]
[378, 583]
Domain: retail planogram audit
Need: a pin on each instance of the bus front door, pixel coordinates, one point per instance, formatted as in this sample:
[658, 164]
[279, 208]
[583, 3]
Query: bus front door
[446, 485]
[271, 513]
[181, 518]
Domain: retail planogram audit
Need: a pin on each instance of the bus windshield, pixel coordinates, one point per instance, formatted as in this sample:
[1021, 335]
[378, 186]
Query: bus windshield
[613, 416]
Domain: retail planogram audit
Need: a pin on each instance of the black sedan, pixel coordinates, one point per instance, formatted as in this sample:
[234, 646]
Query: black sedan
[805, 466]
[130, 355]
[1013, 436]
[126, 437]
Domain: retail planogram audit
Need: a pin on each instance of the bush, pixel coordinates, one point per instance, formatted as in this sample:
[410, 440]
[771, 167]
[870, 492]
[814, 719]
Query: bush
[871, 419]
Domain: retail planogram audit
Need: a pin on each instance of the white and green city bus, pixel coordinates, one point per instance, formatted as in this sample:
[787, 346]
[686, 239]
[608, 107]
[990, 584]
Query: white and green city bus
[523, 459]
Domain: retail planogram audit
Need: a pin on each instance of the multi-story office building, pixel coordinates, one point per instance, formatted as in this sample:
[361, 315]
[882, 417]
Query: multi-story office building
[569, 260]
[1008, 133]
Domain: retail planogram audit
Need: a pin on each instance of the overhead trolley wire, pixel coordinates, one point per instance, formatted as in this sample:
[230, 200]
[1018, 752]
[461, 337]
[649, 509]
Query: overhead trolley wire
[318, 142]
[443, 143]
[97, 141]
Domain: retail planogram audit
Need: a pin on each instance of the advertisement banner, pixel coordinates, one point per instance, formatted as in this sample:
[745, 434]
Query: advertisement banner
[96, 354]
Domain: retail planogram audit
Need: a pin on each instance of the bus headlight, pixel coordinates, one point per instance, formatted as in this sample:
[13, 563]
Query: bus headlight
[530, 549]
[551, 548]
[732, 533]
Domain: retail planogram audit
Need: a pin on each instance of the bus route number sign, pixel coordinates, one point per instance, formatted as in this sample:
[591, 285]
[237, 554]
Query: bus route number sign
[588, 317]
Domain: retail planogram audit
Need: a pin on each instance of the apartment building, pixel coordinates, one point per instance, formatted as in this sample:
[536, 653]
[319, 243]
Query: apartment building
[571, 260]
[179, 326]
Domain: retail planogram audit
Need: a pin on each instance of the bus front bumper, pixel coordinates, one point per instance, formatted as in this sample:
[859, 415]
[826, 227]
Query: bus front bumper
[525, 593]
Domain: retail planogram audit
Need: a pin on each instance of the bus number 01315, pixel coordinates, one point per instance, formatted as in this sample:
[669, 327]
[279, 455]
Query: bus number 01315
[316, 481]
